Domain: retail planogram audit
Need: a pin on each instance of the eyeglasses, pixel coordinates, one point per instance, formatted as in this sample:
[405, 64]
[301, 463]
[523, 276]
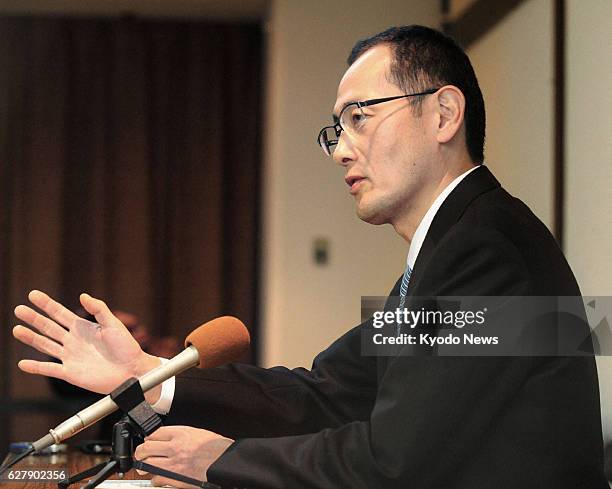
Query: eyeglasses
[352, 120]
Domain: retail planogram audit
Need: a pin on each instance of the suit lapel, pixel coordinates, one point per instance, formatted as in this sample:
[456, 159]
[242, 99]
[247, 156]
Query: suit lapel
[476, 183]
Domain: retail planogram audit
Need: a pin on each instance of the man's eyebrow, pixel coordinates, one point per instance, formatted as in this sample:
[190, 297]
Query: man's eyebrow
[337, 117]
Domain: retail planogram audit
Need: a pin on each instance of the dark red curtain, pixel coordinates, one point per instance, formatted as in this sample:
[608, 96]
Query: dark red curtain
[129, 168]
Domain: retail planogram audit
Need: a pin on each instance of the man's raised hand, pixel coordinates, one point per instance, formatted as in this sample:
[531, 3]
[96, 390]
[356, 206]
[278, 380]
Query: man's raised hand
[95, 356]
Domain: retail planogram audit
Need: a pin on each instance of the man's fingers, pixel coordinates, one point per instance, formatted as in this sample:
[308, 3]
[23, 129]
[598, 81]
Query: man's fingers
[41, 343]
[155, 446]
[43, 324]
[48, 369]
[164, 463]
[53, 308]
[100, 310]
[165, 433]
[158, 481]
[152, 449]
[160, 462]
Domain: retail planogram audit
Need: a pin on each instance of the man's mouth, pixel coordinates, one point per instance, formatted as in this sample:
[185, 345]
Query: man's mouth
[353, 182]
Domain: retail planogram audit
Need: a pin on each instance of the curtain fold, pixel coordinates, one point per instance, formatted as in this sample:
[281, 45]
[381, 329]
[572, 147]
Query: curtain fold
[129, 168]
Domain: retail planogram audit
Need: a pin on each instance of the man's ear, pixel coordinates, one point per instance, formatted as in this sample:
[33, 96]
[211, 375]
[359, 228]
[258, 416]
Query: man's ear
[451, 108]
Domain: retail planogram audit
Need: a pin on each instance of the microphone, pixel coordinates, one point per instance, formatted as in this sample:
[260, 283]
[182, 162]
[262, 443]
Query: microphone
[215, 343]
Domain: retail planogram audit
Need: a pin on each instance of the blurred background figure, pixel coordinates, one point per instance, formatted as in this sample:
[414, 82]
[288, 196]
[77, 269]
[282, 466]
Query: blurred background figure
[161, 346]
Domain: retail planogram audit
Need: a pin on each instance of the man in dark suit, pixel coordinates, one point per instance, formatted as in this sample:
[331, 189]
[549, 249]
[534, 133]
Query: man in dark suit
[409, 131]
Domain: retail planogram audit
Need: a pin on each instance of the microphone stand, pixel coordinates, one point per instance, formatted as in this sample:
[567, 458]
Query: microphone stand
[139, 420]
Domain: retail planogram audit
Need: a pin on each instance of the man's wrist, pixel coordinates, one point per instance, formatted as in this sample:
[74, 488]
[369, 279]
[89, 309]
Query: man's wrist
[144, 365]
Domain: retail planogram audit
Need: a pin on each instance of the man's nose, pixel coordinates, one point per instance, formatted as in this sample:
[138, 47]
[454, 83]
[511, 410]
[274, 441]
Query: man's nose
[344, 152]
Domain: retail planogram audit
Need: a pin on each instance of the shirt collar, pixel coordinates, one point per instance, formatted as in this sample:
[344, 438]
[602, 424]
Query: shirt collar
[423, 227]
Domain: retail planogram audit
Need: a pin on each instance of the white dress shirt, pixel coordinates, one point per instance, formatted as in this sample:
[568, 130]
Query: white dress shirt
[423, 227]
[164, 403]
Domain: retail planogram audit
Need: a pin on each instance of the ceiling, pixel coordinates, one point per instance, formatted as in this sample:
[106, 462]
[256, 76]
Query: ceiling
[201, 9]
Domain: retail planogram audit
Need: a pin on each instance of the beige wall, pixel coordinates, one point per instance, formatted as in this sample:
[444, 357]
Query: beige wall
[589, 162]
[514, 65]
[305, 306]
[589, 144]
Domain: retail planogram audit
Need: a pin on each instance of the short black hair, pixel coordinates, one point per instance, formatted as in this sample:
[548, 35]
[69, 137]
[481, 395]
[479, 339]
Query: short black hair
[425, 58]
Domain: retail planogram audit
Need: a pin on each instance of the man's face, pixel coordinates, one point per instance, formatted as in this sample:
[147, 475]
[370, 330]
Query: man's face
[389, 162]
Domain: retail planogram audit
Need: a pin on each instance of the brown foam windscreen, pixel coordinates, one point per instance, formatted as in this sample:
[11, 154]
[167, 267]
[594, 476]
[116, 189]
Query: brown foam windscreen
[222, 340]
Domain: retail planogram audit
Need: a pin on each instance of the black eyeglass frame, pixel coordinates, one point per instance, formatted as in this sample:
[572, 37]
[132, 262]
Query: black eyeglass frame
[337, 127]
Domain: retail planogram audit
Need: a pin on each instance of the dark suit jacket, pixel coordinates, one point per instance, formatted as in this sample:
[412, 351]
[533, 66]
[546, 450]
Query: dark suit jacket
[426, 422]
